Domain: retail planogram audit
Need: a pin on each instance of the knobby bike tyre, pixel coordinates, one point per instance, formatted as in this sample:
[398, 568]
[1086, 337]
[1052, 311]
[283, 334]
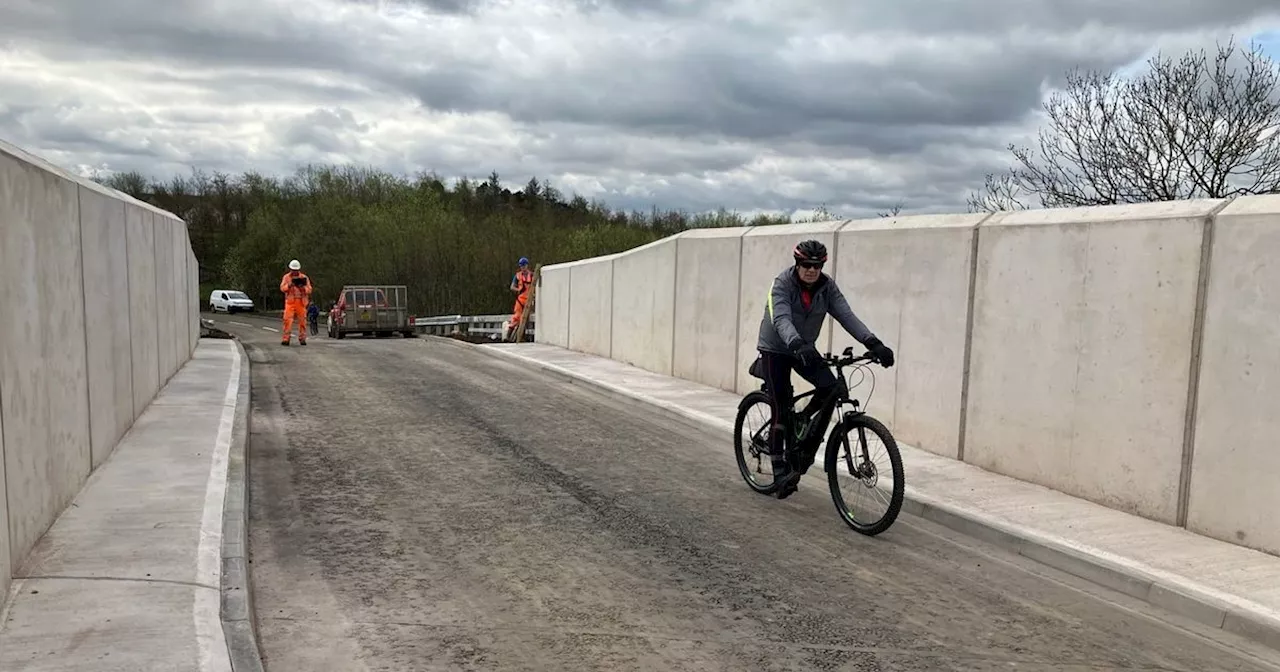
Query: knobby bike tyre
[742, 451]
[833, 463]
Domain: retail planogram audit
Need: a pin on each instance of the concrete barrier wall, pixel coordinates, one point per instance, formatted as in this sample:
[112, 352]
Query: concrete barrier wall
[644, 301]
[1081, 350]
[79, 354]
[591, 306]
[908, 279]
[766, 252]
[1061, 347]
[707, 277]
[551, 305]
[1235, 472]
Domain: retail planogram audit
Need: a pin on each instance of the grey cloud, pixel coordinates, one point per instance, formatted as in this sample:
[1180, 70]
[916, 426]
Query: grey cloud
[682, 98]
[326, 130]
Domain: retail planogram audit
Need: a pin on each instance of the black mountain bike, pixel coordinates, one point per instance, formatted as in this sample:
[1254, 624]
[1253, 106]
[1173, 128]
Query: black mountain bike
[804, 436]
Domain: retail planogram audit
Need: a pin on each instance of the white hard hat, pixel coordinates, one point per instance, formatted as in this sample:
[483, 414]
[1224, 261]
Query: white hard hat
[294, 265]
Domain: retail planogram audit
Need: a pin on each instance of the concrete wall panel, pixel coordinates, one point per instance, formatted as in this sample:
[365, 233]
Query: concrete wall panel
[591, 306]
[106, 292]
[551, 306]
[907, 278]
[142, 305]
[644, 285]
[6, 553]
[162, 251]
[766, 252]
[1234, 492]
[193, 300]
[77, 270]
[706, 311]
[42, 364]
[178, 255]
[1081, 350]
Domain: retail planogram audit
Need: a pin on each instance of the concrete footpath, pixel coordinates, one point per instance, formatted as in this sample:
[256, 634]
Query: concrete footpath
[145, 569]
[1212, 582]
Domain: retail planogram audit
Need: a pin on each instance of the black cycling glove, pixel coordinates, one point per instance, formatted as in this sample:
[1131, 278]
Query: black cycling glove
[880, 351]
[809, 355]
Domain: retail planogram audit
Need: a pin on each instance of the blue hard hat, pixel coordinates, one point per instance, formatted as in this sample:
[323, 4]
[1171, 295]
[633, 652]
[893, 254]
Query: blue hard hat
[524, 261]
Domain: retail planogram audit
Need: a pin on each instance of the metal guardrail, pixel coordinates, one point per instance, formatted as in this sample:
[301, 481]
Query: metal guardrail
[489, 325]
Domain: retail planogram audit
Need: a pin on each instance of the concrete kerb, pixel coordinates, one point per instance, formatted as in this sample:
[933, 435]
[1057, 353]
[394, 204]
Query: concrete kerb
[1160, 589]
[238, 623]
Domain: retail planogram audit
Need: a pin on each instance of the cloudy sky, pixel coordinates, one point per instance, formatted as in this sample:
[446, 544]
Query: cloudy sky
[748, 104]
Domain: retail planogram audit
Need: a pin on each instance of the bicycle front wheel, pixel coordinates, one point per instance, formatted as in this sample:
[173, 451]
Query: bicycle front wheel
[863, 461]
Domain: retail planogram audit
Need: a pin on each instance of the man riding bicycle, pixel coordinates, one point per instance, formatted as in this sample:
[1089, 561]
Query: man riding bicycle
[797, 306]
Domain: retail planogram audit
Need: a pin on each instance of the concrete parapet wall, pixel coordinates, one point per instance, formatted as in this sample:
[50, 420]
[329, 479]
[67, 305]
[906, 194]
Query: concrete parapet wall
[1062, 347]
[707, 275]
[93, 333]
[909, 280]
[591, 306]
[1234, 492]
[644, 285]
[766, 252]
[551, 305]
[1081, 350]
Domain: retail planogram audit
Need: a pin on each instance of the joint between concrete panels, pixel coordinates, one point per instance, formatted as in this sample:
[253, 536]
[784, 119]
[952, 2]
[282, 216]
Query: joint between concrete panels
[1193, 378]
[675, 293]
[737, 323]
[613, 305]
[161, 378]
[8, 506]
[128, 291]
[84, 312]
[968, 336]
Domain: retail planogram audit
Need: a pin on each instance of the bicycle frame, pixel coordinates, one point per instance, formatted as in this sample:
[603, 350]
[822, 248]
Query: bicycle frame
[837, 401]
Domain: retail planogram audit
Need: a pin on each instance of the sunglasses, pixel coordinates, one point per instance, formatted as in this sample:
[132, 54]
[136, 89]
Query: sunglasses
[810, 264]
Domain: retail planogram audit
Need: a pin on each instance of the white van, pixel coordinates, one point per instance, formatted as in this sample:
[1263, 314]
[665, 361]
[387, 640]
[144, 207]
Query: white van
[229, 301]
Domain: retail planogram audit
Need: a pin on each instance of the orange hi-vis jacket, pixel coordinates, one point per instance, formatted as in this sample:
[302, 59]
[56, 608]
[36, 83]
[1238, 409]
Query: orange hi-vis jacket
[524, 280]
[293, 292]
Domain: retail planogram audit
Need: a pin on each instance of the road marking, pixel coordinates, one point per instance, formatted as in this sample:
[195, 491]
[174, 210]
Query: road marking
[272, 329]
[243, 324]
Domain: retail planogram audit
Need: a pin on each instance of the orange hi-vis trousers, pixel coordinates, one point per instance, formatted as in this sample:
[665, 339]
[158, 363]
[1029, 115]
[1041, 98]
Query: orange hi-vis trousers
[295, 309]
[296, 299]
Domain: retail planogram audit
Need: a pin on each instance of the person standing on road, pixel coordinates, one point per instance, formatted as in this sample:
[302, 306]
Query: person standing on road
[797, 306]
[521, 283]
[296, 287]
[313, 317]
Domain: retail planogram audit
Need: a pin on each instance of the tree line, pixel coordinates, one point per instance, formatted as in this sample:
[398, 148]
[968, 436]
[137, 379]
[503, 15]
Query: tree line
[455, 246]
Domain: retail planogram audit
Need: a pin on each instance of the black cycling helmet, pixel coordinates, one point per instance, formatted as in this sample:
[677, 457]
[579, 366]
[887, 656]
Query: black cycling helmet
[811, 251]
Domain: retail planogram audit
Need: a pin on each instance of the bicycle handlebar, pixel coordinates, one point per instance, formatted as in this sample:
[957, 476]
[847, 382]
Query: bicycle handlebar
[847, 358]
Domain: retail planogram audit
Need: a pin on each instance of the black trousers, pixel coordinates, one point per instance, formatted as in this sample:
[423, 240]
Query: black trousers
[777, 380]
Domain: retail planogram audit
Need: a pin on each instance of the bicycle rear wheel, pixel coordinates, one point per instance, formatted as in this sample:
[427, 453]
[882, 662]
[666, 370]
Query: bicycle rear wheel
[751, 442]
[863, 476]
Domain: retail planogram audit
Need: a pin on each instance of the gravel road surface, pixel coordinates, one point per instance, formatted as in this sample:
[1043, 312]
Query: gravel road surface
[417, 505]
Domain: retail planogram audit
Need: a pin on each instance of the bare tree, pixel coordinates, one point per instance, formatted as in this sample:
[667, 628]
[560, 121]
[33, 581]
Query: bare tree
[892, 212]
[1000, 192]
[1191, 128]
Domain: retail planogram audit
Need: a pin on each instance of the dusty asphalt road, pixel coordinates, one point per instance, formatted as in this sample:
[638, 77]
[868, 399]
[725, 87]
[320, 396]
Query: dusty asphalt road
[417, 505]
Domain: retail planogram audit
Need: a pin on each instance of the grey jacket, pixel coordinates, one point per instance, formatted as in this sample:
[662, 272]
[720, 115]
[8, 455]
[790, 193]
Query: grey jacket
[787, 324]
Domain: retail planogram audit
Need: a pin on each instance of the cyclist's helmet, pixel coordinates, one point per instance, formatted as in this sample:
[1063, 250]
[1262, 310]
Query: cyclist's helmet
[524, 261]
[811, 251]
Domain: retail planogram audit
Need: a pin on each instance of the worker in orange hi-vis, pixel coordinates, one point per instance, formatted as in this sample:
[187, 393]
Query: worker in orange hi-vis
[520, 284]
[296, 287]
